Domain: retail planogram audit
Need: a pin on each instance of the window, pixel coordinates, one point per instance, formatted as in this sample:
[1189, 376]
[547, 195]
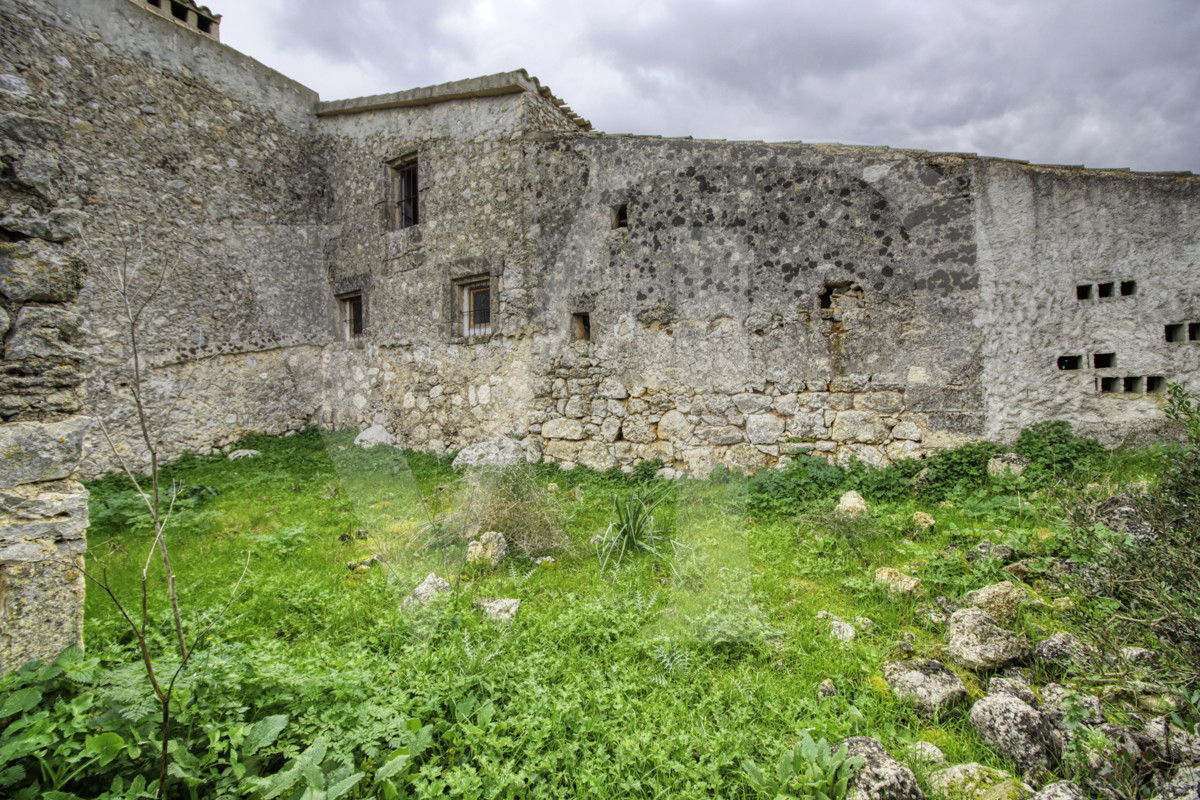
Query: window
[475, 307]
[405, 193]
[1083, 291]
[1105, 289]
[620, 216]
[1155, 384]
[179, 11]
[1104, 360]
[1128, 288]
[1068, 362]
[1134, 385]
[1173, 333]
[204, 24]
[352, 316]
[581, 328]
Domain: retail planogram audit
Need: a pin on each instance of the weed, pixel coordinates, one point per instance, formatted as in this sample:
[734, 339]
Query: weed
[633, 528]
[810, 770]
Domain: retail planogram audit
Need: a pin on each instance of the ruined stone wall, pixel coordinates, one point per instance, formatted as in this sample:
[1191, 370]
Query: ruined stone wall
[186, 158]
[1090, 296]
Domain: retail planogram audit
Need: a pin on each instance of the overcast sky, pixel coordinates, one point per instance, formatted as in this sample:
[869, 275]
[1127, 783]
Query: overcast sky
[1105, 83]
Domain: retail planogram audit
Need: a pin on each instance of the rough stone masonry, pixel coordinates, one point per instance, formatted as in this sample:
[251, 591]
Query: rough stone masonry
[469, 260]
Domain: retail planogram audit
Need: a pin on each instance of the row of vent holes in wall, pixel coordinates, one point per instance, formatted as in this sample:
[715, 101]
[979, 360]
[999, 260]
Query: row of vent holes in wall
[1175, 333]
[1099, 361]
[180, 12]
[1086, 291]
[1131, 385]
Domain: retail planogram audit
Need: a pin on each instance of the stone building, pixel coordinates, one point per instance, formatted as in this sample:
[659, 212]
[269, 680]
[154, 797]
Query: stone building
[467, 260]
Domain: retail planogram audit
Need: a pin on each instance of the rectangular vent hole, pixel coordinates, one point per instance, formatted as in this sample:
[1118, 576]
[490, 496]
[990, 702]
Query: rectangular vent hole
[1193, 331]
[1083, 291]
[581, 328]
[1105, 289]
[1128, 288]
[1173, 333]
[204, 24]
[179, 11]
[1133, 385]
[1104, 360]
[1069, 362]
[620, 216]
[1109, 384]
[1155, 384]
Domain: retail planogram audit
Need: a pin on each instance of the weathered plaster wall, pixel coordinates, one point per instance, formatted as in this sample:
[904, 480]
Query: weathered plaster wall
[1042, 233]
[182, 156]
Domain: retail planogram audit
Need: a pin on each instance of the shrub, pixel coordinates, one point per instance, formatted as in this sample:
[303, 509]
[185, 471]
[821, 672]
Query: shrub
[1053, 449]
[958, 470]
[780, 493]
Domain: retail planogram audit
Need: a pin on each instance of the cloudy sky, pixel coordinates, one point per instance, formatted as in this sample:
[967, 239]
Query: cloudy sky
[1106, 83]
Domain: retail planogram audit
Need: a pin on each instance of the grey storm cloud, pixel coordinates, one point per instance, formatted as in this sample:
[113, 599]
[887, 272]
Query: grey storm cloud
[1101, 82]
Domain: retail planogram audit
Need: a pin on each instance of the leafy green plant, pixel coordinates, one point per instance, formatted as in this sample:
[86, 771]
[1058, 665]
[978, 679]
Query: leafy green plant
[1053, 449]
[809, 770]
[957, 470]
[633, 529]
[780, 493]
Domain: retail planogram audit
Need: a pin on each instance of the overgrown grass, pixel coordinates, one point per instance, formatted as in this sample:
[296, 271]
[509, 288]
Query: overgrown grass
[645, 680]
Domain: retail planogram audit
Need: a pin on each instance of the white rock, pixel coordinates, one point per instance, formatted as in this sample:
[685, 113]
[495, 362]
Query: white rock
[499, 452]
[376, 434]
[237, 454]
[428, 589]
[498, 608]
[852, 503]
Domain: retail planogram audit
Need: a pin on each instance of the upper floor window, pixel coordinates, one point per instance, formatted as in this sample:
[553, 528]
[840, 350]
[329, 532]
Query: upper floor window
[405, 193]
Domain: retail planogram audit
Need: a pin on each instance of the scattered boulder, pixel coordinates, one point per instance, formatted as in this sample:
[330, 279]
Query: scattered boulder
[923, 521]
[1059, 790]
[985, 550]
[1064, 707]
[881, 777]
[852, 504]
[501, 609]
[897, 582]
[864, 624]
[838, 628]
[490, 549]
[1012, 686]
[1184, 786]
[1016, 730]
[1063, 650]
[1010, 463]
[827, 688]
[976, 641]
[1172, 745]
[428, 589]
[499, 452]
[1103, 762]
[926, 753]
[928, 684]
[999, 599]
[1121, 515]
[976, 782]
[240, 454]
[376, 434]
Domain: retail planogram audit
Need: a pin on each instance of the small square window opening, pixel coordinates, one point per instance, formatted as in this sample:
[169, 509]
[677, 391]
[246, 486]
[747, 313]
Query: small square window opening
[475, 303]
[1193, 331]
[1104, 360]
[620, 216]
[1109, 384]
[1128, 288]
[204, 24]
[1173, 333]
[179, 11]
[1083, 291]
[1105, 289]
[1068, 362]
[1133, 385]
[1155, 384]
[581, 328]
[155, 3]
[352, 316]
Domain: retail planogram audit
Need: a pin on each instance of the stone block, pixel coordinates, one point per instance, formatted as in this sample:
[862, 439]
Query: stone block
[859, 426]
[34, 270]
[42, 609]
[44, 332]
[637, 430]
[907, 430]
[764, 428]
[561, 428]
[720, 435]
[674, 427]
[751, 403]
[59, 225]
[883, 402]
[613, 389]
[31, 452]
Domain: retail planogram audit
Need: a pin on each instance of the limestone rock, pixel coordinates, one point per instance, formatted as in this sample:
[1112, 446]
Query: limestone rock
[897, 582]
[999, 599]
[613, 389]
[1184, 786]
[827, 688]
[853, 504]
[1059, 790]
[926, 753]
[928, 684]
[499, 452]
[1010, 463]
[500, 609]
[1139, 657]
[674, 427]
[491, 549]
[1012, 686]
[562, 428]
[1172, 745]
[859, 426]
[976, 782]
[1062, 650]
[907, 430]
[1059, 701]
[881, 777]
[637, 430]
[44, 332]
[723, 434]
[40, 451]
[976, 641]
[35, 270]
[923, 520]
[839, 629]
[240, 454]
[428, 589]
[764, 428]
[376, 434]
[1016, 730]
[59, 225]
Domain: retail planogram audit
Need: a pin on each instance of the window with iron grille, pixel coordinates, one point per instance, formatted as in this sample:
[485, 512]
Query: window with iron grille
[475, 306]
[406, 193]
[352, 316]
